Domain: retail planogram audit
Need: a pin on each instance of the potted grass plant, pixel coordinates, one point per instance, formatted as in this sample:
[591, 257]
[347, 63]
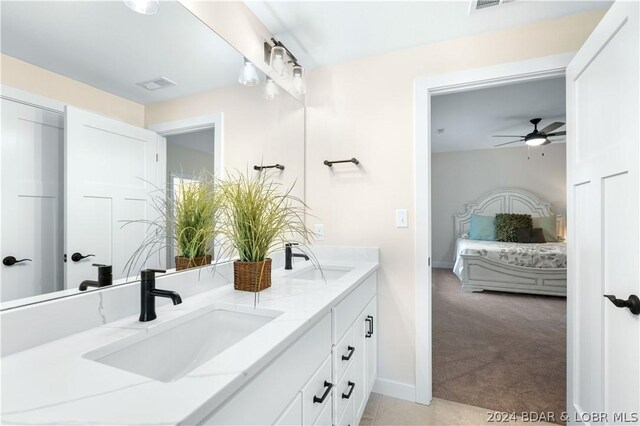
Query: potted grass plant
[258, 216]
[186, 220]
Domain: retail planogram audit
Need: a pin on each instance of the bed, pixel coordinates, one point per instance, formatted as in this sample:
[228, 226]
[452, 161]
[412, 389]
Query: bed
[505, 266]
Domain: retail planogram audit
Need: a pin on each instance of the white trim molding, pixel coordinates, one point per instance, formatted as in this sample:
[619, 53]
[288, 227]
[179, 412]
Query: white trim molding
[395, 389]
[31, 99]
[460, 81]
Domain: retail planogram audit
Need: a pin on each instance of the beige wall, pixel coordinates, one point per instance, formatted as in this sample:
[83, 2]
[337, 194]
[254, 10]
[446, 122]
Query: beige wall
[463, 176]
[364, 109]
[256, 131]
[24, 76]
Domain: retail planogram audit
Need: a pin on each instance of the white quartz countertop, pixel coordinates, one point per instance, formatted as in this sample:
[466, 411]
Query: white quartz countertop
[54, 384]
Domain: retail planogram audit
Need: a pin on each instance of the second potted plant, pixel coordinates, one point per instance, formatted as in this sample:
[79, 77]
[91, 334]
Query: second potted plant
[257, 218]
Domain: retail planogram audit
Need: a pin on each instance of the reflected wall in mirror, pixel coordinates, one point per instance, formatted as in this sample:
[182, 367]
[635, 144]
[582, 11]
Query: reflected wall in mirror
[101, 108]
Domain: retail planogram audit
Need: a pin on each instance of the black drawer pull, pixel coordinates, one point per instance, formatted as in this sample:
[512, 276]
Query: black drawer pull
[326, 393]
[351, 350]
[369, 321]
[351, 387]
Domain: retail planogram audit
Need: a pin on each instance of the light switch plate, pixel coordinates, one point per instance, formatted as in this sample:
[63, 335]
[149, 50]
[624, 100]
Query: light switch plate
[318, 230]
[402, 220]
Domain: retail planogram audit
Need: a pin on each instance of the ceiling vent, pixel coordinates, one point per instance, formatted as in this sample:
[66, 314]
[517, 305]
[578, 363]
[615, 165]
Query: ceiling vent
[487, 4]
[157, 83]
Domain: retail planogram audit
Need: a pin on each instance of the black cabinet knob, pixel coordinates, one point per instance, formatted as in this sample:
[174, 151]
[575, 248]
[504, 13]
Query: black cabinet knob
[10, 261]
[633, 303]
[77, 257]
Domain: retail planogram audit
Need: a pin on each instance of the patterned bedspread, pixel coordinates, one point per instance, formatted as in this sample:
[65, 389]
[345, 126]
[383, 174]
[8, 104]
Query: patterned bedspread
[547, 255]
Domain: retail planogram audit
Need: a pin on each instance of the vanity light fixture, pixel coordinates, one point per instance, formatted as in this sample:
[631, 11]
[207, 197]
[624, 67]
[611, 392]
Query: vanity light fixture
[278, 61]
[248, 74]
[144, 7]
[296, 80]
[270, 89]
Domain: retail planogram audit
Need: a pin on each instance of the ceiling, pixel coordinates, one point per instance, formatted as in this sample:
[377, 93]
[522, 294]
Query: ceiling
[108, 46]
[327, 32]
[469, 119]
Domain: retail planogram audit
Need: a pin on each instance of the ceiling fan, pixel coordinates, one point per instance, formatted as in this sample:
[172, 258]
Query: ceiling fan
[537, 137]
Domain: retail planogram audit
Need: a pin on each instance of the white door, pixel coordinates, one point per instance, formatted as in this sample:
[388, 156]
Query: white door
[32, 146]
[111, 176]
[603, 239]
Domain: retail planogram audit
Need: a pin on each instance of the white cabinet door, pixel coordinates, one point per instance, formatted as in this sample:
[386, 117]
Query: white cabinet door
[603, 136]
[32, 147]
[371, 343]
[292, 415]
[111, 172]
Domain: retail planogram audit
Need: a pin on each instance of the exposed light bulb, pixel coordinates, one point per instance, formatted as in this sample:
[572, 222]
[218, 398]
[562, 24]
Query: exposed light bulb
[270, 89]
[297, 85]
[277, 61]
[248, 74]
[145, 7]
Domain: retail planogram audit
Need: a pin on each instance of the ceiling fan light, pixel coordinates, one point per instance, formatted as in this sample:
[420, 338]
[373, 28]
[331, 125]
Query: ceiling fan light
[535, 141]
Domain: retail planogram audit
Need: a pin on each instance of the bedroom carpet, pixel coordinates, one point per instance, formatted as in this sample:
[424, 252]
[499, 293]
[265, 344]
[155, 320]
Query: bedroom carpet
[501, 351]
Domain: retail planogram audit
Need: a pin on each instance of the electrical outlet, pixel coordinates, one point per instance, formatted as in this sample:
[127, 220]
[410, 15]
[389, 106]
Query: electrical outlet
[318, 229]
[402, 220]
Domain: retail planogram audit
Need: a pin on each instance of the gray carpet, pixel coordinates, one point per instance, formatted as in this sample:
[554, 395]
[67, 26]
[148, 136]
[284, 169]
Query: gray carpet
[501, 351]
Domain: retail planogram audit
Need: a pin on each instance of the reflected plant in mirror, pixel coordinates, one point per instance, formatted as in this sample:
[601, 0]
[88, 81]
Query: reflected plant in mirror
[187, 223]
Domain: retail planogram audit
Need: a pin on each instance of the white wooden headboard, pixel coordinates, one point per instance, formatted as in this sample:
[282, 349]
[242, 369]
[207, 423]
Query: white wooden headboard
[505, 200]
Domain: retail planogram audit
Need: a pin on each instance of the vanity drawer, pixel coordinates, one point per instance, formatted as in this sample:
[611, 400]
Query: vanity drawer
[314, 390]
[324, 419]
[292, 415]
[345, 392]
[346, 312]
[347, 348]
[347, 418]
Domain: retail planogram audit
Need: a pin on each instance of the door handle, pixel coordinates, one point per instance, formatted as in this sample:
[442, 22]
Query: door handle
[327, 390]
[77, 257]
[633, 303]
[351, 387]
[10, 261]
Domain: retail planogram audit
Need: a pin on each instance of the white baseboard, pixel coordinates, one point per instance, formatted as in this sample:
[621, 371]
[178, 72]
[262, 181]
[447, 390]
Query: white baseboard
[395, 389]
[445, 265]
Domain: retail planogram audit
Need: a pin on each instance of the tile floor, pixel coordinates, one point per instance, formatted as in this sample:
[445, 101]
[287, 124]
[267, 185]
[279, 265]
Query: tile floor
[384, 410]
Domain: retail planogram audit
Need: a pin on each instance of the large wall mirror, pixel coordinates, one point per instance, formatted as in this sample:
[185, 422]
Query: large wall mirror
[102, 107]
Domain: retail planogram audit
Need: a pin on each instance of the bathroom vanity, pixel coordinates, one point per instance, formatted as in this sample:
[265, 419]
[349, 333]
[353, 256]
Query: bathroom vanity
[301, 352]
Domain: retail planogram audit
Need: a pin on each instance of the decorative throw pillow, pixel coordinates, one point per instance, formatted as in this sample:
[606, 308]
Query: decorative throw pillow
[548, 225]
[508, 223]
[530, 235]
[482, 228]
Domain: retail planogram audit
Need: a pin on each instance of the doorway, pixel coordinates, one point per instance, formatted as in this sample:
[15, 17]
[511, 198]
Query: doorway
[425, 88]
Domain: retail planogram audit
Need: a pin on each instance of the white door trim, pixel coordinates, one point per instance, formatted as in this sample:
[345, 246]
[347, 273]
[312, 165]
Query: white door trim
[533, 69]
[31, 99]
[187, 125]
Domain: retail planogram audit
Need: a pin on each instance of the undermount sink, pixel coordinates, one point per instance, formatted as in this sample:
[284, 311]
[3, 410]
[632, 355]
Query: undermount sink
[183, 344]
[328, 273]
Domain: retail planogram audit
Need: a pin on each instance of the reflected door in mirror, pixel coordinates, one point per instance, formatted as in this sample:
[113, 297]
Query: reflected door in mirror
[32, 142]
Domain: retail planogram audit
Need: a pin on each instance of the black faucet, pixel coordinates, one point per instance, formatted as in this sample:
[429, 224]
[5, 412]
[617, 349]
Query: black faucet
[289, 254]
[105, 278]
[149, 292]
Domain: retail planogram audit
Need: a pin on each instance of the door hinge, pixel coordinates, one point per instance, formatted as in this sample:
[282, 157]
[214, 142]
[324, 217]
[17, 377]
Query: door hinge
[156, 157]
[429, 262]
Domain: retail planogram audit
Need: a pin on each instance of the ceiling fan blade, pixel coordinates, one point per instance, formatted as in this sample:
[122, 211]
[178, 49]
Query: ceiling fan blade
[551, 127]
[557, 134]
[507, 143]
[508, 136]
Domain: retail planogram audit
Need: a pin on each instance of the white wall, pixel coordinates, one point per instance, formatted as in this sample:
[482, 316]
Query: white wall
[462, 176]
[365, 109]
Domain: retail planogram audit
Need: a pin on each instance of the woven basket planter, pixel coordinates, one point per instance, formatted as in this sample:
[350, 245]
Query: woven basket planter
[186, 263]
[252, 276]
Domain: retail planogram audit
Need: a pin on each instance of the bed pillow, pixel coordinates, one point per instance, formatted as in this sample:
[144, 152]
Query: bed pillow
[548, 225]
[530, 235]
[507, 225]
[482, 228]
